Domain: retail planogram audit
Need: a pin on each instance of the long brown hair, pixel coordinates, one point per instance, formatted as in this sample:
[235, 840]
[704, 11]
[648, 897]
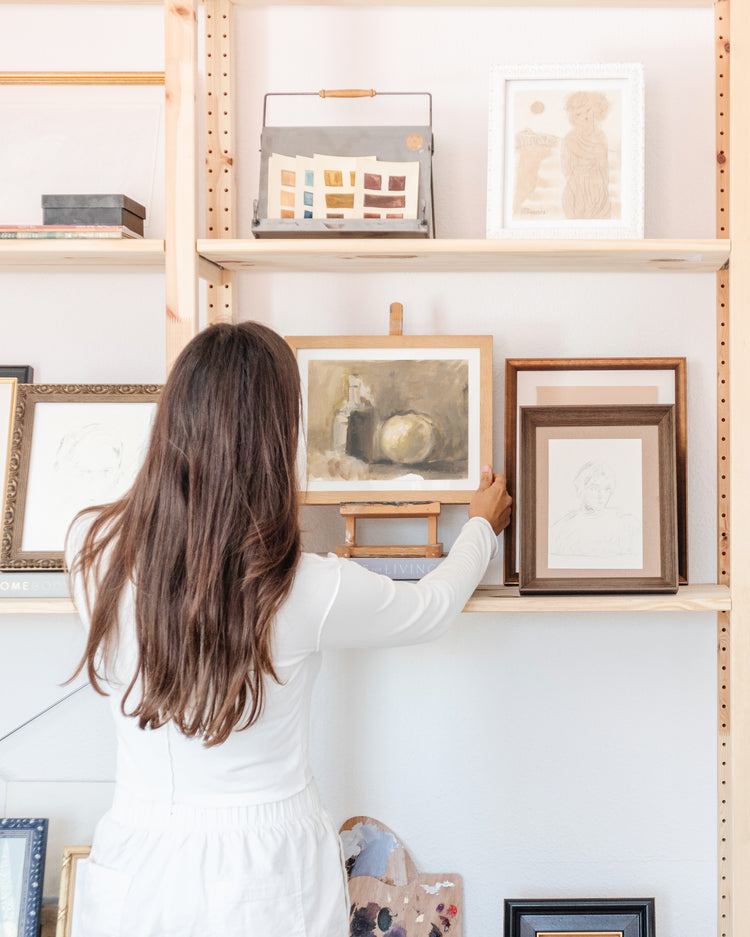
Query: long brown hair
[209, 534]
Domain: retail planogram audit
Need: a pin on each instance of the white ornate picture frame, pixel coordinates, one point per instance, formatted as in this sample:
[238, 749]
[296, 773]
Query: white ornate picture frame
[566, 151]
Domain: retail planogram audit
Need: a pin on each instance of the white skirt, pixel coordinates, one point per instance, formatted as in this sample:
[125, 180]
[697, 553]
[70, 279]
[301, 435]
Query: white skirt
[269, 870]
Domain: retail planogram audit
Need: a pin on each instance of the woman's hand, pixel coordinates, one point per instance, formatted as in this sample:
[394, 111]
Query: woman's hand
[491, 500]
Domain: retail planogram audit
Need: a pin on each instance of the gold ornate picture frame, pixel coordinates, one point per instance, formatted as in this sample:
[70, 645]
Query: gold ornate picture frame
[73, 871]
[73, 446]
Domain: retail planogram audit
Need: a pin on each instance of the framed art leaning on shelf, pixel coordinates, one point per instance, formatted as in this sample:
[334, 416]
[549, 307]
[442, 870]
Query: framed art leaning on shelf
[566, 156]
[593, 381]
[599, 512]
[394, 418]
[23, 846]
[582, 917]
[73, 446]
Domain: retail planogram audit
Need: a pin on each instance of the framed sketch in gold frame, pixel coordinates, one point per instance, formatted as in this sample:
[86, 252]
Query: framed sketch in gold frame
[393, 418]
[568, 381]
[599, 511]
[7, 406]
[73, 446]
[71, 879]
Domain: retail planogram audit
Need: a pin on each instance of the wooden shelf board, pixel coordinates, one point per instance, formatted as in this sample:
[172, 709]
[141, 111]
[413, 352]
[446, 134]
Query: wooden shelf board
[46, 606]
[466, 255]
[640, 4]
[33, 254]
[697, 598]
[693, 598]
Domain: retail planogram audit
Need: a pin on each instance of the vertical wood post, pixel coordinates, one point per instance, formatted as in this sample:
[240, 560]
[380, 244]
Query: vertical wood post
[221, 189]
[181, 184]
[739, 355]
[723, 556]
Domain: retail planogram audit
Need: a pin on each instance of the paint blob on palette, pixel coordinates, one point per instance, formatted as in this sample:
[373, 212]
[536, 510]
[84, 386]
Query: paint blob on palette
[344, 187]
[389, 898]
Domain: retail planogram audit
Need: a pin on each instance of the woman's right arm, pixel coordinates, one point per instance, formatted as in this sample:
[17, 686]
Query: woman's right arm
[370, 610]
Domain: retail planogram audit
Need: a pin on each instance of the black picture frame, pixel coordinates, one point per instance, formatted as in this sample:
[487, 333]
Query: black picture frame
[33, 833]
[593, 917]
[23, 373]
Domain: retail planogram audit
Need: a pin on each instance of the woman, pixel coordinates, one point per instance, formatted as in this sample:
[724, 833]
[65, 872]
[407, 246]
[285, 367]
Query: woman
[205, 626]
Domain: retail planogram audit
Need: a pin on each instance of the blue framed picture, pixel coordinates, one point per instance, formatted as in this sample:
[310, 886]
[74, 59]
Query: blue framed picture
[23, 843]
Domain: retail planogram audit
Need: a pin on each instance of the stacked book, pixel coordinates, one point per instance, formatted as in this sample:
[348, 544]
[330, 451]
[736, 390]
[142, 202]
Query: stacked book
[66, 231]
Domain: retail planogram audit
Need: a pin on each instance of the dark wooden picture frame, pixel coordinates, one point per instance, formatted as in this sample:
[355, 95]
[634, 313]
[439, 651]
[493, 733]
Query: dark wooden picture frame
[584, 917]
[28, 864]
[591, 370]
[50, 455]
[23, 373]
[599, 512]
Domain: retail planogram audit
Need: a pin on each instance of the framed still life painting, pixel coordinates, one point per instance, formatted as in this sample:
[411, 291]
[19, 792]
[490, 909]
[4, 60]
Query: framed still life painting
[73, 446]
[550, 382]
[599, 511]
[566, 151]
[393, 418]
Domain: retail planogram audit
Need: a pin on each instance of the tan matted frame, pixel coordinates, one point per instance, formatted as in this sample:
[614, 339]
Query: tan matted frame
[72, 855]
[608, 424]
[516, 366]
[407, 344]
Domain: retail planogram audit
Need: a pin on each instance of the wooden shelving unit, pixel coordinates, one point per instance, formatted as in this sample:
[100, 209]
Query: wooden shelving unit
[469, 255]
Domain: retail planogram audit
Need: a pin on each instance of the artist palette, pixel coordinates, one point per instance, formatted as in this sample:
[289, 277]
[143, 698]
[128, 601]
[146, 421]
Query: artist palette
[389, 897]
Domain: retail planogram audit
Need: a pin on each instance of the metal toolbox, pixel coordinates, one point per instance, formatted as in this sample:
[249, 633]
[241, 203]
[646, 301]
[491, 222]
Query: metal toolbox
[391, 144]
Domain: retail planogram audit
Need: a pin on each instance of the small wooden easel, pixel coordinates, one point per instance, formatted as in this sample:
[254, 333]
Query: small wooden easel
[356, 511]
[424, 509]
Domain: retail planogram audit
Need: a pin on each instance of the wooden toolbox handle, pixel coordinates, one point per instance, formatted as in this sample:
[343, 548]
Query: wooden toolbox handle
[348, 93]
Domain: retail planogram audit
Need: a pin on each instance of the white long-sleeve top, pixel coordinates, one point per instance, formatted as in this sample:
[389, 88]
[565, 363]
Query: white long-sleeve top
[333, 603]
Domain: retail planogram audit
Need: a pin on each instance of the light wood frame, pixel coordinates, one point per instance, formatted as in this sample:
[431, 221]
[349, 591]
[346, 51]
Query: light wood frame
[515, 366]
[407, 348]
[72, 855]
[656, 464]
[12, 554]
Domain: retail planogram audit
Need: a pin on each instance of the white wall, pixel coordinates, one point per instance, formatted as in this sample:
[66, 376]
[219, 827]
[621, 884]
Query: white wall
[537, 755]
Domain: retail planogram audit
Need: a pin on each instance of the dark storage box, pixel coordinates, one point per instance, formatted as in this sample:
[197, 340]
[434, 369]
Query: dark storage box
[93, 209]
